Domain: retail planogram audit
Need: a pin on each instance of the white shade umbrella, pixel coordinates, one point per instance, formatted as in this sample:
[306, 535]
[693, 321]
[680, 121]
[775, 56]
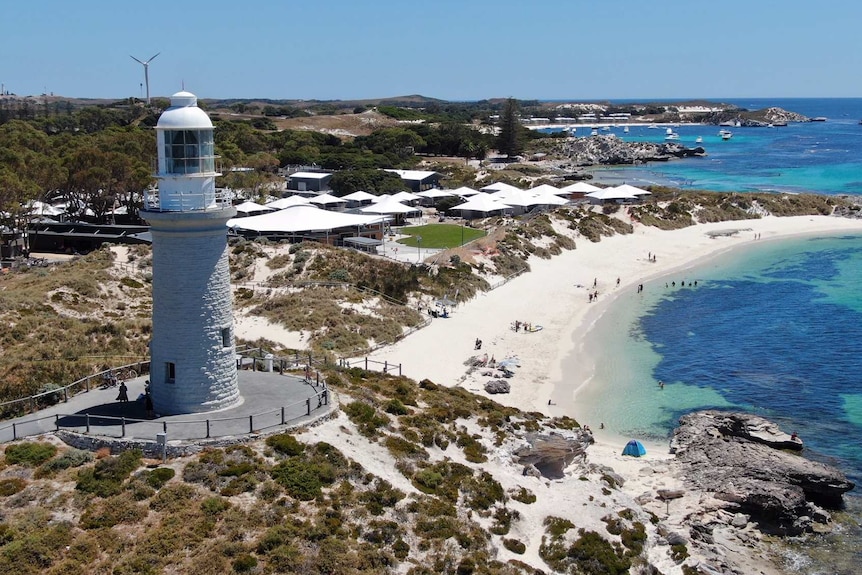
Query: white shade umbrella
[360, 196]
[579, 188]
[515, 197]
[288, 202]
[612, 194]
[388, 206]
[252, 207]
[406, 197]
[435, 193]
[544, 189]
[464, 192]
[483, 203]
[549, 199]
[499, 187]
[301, 218]
[633, 190]
[326, 200]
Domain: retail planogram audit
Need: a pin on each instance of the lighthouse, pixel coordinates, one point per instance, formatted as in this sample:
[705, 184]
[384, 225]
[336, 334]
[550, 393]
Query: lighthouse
[193, 352]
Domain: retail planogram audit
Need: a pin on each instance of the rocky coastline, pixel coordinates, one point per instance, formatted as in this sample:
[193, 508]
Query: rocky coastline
[749, 465]
[610, 150]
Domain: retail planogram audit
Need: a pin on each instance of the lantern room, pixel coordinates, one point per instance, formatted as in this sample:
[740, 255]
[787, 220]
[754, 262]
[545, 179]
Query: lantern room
[186, 158]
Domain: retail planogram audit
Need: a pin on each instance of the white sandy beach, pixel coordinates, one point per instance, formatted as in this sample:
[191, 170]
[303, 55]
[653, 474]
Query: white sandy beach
[554, 294]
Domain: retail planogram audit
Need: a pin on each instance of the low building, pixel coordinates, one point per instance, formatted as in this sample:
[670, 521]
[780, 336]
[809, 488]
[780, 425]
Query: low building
[418, 180]
[309, 181]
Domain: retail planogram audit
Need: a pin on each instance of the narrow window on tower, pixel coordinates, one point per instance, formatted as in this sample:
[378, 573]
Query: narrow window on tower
[225, 337]
[170, 372]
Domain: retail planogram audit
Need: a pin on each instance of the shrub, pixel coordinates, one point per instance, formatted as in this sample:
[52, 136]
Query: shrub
[214, 505]
[71, 458]
[30, 454]
[400, 448]
[111, 512]
[503, 521]
[366, 417]
[483, 491]
[395, 407]
[382, 496]
[108, 475]
[159, 476]
[679, 552]
[303, 479]
[474, 451]
[594, 555]
[634, 538]
[514, 546]
[11, 486]
[428, 480]
[523, 495]
[557, 526]
[244, 563]
[401, 549]
[285, 444]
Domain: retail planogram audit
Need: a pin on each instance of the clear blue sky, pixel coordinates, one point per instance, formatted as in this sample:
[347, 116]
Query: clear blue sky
[450, 49]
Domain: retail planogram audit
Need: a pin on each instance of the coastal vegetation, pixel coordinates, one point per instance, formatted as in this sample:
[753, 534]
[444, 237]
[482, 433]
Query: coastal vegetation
[290, 502]
[97, 311]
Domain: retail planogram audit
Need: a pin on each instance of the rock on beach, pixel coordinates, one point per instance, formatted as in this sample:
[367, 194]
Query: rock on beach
[747, 462]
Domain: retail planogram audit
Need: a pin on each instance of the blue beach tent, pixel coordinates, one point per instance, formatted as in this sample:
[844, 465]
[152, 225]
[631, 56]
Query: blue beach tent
[634, 448]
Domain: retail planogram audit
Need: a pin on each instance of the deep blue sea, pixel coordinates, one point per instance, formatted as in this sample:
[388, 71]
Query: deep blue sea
[774, 328]
[822, 157]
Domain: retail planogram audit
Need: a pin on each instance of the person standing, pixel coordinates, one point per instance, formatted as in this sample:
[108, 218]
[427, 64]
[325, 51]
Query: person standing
[148, 405]
[123, 396]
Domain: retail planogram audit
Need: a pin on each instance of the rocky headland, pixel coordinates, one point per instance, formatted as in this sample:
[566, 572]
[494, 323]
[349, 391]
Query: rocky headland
[753, 467]
[610, 150]
[755, 118]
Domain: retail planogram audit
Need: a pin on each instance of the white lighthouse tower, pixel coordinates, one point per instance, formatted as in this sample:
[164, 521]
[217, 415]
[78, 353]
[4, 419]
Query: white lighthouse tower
[192, 354]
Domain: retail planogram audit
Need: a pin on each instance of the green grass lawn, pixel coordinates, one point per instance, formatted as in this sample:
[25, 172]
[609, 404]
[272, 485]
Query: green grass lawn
[439, 235]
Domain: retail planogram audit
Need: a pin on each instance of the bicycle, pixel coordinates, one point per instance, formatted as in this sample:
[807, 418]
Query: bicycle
[126, 374]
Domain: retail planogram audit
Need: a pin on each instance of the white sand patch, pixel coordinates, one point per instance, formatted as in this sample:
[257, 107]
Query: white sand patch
[252, 327]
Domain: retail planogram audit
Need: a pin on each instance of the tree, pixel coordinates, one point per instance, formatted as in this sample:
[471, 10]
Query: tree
[509, 140]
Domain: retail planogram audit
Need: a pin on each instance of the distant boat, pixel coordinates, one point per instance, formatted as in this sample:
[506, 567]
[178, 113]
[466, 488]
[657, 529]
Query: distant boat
[725, 134]
[819, 119]
[698, 140]
[606, 129]
[652, 127]
[594, 132]
[671, 135]
[626, 129]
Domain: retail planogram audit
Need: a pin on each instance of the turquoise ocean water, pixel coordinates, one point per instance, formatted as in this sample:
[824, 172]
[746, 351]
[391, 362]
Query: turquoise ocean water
[821, 157]
[774, 328]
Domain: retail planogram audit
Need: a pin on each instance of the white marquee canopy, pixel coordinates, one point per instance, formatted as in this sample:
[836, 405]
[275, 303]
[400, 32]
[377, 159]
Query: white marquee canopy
[302, 218]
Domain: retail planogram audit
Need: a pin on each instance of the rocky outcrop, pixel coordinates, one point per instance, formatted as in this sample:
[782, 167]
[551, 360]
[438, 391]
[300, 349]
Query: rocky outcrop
[752, 465]
[610, 150]
[497, 386]
[755, 118]
[551, 454]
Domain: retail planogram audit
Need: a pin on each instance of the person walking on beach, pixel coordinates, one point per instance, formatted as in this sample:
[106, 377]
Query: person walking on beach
[595, 282]
[123, 396]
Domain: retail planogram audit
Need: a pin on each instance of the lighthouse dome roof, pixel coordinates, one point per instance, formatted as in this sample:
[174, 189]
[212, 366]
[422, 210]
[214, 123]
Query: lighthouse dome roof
[184, 114]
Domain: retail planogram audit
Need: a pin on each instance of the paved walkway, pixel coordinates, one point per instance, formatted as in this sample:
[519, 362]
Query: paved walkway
[269, 400]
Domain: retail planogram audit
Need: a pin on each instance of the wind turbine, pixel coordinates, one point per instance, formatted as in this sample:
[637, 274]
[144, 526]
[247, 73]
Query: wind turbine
[146, 66]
